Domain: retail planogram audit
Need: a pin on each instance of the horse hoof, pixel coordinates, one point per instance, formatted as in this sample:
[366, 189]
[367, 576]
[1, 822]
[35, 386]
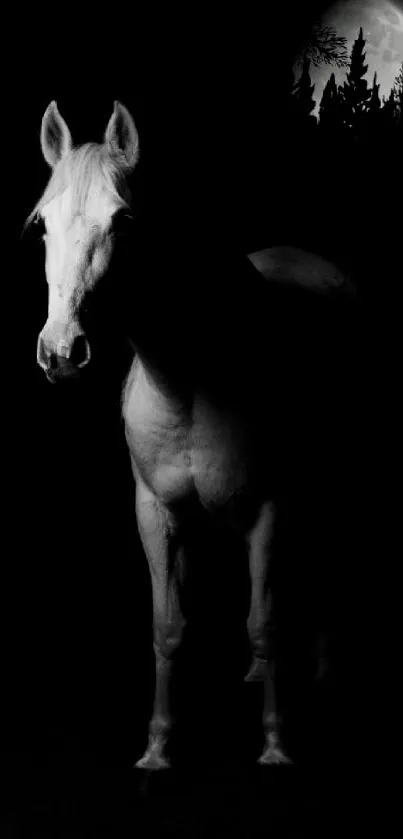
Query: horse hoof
[152, 762]
[257, 671]
[274, 756]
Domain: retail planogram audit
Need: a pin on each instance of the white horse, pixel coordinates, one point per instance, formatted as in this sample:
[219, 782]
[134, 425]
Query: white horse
[216, 401]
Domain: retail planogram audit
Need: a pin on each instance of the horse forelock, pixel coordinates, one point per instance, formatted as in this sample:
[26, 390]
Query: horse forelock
[85, 169]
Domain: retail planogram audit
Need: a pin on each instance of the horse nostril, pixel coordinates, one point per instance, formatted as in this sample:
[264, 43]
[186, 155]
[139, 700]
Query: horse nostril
[81, 353]
[42, 354]
[52, 361]
[63, 361]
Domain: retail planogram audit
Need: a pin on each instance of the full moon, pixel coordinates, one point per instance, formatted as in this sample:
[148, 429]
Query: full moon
[382, 24]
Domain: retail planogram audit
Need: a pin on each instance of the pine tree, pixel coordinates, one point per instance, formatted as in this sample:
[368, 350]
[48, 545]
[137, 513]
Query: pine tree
[302, 101]
[355, 94]
[398, 94]
[374, 109]
[374, 102]
[390, 109]
[330, 106]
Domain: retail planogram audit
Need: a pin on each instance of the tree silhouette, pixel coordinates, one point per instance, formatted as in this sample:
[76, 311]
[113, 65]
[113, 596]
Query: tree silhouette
[324, 46]
[393, 104]
[302, 101]
[374, 110]
[330, 116]
[398, 95]
[355, 94]
[374, 102]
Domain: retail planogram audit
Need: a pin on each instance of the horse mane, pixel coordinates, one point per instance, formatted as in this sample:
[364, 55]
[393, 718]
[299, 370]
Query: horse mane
[85, 168]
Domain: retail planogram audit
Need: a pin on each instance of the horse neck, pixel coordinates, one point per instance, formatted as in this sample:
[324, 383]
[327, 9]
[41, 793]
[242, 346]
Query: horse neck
[186, 321]
[164, 353]
[165, 391]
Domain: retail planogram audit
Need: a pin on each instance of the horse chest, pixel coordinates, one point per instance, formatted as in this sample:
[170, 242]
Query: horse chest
[179, 454]
[161, 456]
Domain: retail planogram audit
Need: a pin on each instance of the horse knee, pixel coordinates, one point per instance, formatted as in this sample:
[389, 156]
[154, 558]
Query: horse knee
[257, 626]
[259, 635]
[167, 639]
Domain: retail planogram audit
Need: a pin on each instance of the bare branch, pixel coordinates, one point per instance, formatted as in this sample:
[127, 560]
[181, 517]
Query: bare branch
[324, 46]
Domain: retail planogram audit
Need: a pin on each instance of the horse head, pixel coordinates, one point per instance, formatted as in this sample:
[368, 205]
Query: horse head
[81, 210]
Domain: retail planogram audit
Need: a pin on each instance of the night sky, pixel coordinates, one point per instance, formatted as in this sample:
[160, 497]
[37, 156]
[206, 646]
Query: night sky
[382, 23]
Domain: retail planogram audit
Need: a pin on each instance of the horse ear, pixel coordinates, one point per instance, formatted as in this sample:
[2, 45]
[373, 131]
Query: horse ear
[55, 136]
[121, 138]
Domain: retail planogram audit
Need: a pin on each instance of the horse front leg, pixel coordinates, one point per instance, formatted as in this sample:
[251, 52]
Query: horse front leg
[262, 668]
[158, 529]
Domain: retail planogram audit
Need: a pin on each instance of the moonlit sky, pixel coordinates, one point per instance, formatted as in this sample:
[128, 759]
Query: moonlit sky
[382, 23]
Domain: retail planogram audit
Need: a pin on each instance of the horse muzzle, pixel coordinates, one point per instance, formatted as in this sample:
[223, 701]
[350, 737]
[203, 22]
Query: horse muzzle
[65, 361]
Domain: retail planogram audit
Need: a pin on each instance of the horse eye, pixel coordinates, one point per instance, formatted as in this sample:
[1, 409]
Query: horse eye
[122, 222]
[39, 228]
[36, 231]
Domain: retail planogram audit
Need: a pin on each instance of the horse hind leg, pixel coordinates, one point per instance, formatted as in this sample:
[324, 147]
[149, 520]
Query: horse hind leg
[158, 530]
[262, 668]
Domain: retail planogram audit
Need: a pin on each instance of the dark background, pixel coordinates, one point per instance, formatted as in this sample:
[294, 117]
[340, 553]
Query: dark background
[216, 173]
